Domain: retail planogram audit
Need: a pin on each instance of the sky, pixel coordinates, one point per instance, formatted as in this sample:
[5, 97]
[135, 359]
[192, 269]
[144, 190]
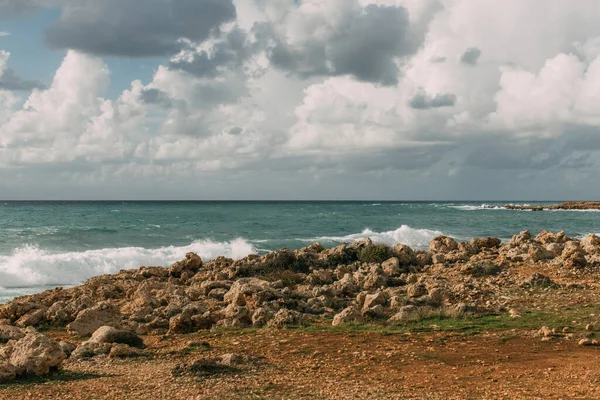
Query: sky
[300, 99]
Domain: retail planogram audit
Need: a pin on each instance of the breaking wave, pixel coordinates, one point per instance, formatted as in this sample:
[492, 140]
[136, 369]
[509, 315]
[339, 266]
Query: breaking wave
[416, 238]
[32, 266]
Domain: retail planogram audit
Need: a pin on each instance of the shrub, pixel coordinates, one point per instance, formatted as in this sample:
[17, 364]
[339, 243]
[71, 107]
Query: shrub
[376, 253]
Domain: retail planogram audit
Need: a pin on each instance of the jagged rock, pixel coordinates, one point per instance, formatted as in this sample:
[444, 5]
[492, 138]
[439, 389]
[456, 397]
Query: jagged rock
[287, 317]
[89, 320]
[522, 238]
[480, 244]
[546, 237]
[442, 244]
[191, 264]
[347, 315]
[406, 313]
[9, 332]
[67, 348]
[36, 355]
[588, 342]
[231, 359]
[261, 316]
[392, 267]
[405, 255]
[591, 244]
[416, 290]
[372, 300]
[7, 372]
[108, 334]
[32, 318]
[545, 332]
[373, 312]
[185, 322]
[244, 288]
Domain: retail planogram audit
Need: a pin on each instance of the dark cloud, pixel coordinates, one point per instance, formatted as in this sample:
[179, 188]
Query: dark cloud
[11, 8]
[501, 154]
[471, 56]
[229, 53]
[422, 101]
[236, 130]
[9, 80]
[368, 47]
[131, 28]
[155, 96]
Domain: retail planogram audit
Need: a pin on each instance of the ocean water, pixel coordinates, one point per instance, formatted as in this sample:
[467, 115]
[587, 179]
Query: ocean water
[49, 244]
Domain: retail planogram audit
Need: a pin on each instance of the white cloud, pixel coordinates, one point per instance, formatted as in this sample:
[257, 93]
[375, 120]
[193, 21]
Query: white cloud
[4, 33]
[226, 110]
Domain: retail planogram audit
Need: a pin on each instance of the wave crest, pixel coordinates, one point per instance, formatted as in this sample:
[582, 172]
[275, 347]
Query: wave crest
[31, 266]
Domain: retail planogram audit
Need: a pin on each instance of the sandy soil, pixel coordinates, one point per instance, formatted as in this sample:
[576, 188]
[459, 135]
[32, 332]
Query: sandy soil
[337, 365]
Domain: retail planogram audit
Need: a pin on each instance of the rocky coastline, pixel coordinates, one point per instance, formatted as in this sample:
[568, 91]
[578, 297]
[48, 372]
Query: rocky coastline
[570, 205]
[112, 316]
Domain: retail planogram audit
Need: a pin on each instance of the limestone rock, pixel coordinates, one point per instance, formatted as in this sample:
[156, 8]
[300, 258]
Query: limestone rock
[442, 244]
[285, 317]
[123, 351]
[9, 332]
[347, 315]
[7, 372]
[36, 355]
[89, 320]
[108, 334]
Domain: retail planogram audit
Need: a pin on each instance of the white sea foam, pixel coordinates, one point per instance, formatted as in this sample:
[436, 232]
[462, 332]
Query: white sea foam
[470, 207]
[417, 238]
[32, 266]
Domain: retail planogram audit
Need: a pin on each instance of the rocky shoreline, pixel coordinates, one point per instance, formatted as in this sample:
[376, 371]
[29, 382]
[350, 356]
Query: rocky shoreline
[358, 283]
[570, 205]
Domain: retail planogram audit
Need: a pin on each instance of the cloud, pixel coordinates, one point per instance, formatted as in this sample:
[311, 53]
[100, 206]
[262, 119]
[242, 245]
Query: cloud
[471, 56]
[341, 38]
[4, 33]
[128, 29]
[10, 81]
[347, 96]
[423, 101]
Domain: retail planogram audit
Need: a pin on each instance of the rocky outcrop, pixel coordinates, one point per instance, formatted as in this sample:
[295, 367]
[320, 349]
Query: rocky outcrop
[33, 354]
[350, 283]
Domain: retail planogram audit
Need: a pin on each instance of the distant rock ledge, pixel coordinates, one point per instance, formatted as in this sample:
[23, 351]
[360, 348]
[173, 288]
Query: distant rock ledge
[570, 205]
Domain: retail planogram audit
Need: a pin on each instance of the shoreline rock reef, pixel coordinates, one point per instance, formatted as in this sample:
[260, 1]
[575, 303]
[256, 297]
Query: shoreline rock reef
[570, 205]
[116, 316]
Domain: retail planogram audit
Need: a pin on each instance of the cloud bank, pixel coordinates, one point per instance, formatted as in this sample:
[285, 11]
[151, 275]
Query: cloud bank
[290, 99]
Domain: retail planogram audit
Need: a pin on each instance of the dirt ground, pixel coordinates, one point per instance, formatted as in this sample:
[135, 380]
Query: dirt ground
[312, 364]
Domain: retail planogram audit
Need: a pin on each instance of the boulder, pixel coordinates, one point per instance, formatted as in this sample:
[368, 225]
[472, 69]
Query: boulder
[108, 334]
[7, 372]
[90, 319]
[480, 244]
[372, 300]
[9, 332]
[285, 317]
[91, 350]
[406, 313]
[347, 315]
[392, 267]
[32, 318]
[416, 290]
[405, 255]
[36, 355]
[591, 244]
[442, 244]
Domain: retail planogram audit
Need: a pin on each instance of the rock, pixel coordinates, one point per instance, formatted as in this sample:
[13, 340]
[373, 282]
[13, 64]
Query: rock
[514, 313]
[32, 318]
[261, 316]
[588, 342]
[374, 299]
[286, 317]
[480, 244]
[36, 355]
[89, 320]
[231, 359]
[416, 290]
[246, 287]
[406, 313]
[191, 264]
[590, 327]
[405, 255]
[123, 351]
[108, 334]
[538, 280]
[522, 238]
[347, 315]
[442, 244]
[546, 237]
[373, 312]
[391, 267]
[187, 321]
[7, 372]
[67, 348]
[591, 244]
[91, 350]
[6, 350]
[9, 332]
[545, 332]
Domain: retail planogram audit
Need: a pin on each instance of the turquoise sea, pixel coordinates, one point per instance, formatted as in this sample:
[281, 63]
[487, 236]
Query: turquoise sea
[48, 244]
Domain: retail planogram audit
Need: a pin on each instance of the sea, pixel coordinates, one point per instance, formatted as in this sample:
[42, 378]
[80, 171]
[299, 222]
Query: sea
[48, 244]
